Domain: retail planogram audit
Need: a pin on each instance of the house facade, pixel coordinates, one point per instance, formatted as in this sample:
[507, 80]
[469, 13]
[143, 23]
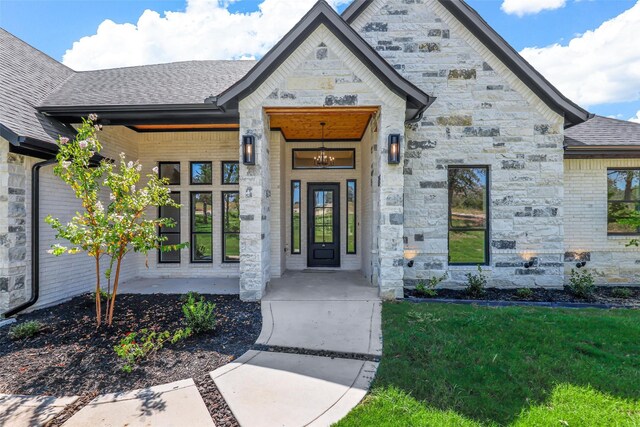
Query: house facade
[403, 139]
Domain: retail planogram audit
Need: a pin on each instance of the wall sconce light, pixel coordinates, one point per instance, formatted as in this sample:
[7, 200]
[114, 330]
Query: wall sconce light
[529, 263]
[248, 150]
[581, 264]
[410, 264]
[394, 149]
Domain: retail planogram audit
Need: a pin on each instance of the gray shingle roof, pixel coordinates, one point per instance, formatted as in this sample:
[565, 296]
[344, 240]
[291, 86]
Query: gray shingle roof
[189, 82]
[601, 131]
[26, 77]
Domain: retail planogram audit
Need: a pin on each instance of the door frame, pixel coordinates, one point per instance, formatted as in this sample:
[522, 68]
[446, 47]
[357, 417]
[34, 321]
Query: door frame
[337, 214]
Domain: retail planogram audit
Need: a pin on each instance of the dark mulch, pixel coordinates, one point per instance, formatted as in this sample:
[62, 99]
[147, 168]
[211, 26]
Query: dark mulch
[602, 295]
[71, 357]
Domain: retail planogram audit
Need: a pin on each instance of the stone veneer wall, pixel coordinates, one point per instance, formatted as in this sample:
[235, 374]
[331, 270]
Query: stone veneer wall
[13, 220]
[483, 115]
[321, 72]
[608, 257]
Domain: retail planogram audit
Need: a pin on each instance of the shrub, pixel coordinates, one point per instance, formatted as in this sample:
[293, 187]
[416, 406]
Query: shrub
[622, 293]
[476, 283]
[429, 289]
[199, 314]
[25, 330]
[581, 284]
[524, 293]
[137, 346]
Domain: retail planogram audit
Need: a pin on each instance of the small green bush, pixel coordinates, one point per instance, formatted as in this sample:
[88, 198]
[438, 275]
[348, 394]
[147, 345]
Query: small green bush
[25, 330]
[137, 346]
[429, 289]
[581, 284]
[199, 314]
[524, 293]
[476, 284]
[623, 293]
[104, 295]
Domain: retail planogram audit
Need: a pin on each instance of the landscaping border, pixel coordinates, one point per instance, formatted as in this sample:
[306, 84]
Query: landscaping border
[497, 303]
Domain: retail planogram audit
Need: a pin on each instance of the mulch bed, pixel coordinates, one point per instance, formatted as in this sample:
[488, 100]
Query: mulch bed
[71, 357]
[602, 295]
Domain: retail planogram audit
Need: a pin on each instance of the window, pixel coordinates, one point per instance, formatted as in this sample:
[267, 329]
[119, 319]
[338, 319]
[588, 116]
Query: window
[351, 216]
[171, 171]
[230, 172]
[468, 225]
[623, 193]
[201, 227]
[171, 233]
[230, 226]
[295, 217]
[337, 158]
[201, 173]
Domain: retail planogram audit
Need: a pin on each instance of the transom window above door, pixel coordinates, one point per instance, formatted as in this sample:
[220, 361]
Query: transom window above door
[317, 158]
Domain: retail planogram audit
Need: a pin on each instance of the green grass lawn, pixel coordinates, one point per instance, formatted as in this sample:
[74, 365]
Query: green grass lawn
[460, 365]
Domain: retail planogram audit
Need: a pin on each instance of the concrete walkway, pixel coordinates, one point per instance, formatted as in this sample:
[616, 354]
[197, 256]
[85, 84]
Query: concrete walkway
[24, 411]
[174, 404]
[318, 311]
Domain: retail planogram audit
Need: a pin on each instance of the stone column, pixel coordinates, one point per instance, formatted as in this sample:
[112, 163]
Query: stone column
[390, 204]
[255, 192]
[13, 238]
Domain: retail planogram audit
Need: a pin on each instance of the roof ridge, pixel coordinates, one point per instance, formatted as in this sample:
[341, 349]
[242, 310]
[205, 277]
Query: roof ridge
[167, 63]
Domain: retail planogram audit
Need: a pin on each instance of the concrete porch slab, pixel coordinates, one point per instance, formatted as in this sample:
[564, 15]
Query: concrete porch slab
[217, 286]
[321, 285]
[19, 411]
[340, 326]
[284, 389]
[174, 404]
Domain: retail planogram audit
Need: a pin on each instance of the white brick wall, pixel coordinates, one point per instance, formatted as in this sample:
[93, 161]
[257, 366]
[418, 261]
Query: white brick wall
[610, 260]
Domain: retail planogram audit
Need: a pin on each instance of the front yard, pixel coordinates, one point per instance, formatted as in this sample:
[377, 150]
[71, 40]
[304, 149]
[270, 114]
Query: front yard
[457, 365]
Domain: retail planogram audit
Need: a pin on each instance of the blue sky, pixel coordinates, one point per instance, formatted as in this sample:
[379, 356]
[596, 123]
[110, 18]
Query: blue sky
[58, 24]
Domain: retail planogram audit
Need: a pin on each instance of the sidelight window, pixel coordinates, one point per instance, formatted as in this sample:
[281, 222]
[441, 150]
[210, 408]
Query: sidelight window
[201, 227]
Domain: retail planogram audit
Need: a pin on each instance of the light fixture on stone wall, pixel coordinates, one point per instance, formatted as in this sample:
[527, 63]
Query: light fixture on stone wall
[581, 264]
[248, 149]
[530, 262]
[394, 149]
[323, 159]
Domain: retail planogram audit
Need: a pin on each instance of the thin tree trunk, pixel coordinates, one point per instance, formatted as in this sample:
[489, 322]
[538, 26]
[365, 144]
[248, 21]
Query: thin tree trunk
[115, 288]
[98, 302]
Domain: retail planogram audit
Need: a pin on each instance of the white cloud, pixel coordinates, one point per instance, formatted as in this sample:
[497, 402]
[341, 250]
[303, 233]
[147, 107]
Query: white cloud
[636, 119]
[524, 7]
[205, 30]
[598, 67]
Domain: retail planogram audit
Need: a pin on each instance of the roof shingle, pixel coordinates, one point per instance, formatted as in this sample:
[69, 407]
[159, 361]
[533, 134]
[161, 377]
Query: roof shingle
[26, 77]
[189, 82]
[600, 131]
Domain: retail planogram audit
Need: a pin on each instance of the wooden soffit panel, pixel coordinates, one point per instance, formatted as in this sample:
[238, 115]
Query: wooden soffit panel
[303, 124]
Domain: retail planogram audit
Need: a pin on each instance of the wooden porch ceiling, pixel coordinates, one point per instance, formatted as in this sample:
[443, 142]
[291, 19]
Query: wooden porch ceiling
[303, 124]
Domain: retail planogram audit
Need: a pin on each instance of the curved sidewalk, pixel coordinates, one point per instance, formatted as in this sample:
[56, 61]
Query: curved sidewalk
[309, 318]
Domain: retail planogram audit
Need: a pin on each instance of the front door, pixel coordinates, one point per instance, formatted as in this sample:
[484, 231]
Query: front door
[323, 248]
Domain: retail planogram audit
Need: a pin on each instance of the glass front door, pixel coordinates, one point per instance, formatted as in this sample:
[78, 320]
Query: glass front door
[323, 249]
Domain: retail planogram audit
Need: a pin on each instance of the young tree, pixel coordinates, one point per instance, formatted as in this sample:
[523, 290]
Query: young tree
[122, 226]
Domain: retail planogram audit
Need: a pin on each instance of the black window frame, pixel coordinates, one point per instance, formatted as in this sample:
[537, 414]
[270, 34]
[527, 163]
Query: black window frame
[355, 217]
[299, 251]
[613, 169]
[163, 233]
[191, 163]
[223, 232]
[293, 159]
[192, 233]
[160, 164]
[222, 165]
[487, 227]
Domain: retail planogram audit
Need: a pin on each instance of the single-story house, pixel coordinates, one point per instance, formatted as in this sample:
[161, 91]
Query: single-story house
[402, 139]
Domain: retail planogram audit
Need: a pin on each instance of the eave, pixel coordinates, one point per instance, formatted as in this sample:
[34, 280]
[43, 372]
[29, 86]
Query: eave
[602, 152]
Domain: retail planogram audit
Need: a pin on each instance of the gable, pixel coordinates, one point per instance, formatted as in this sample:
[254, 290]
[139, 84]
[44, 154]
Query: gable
[323, 18]
[360, 10]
